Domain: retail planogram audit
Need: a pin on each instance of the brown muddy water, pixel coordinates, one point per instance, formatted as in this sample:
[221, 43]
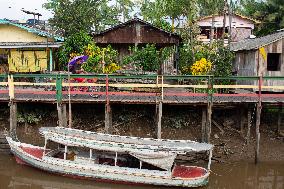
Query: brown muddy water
[240, 175]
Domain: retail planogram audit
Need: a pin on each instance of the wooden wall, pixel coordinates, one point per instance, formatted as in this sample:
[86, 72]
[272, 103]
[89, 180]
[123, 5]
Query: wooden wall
[251, 63]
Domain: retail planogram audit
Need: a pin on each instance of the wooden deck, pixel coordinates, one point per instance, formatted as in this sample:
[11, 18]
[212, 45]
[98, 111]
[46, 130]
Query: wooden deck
[40, 95]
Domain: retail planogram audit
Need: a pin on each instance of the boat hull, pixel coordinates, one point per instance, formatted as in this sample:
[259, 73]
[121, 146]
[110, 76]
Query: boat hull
[99, 172]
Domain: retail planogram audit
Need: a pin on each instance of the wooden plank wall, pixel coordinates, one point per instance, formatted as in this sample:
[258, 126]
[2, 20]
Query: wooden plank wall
[247, 62]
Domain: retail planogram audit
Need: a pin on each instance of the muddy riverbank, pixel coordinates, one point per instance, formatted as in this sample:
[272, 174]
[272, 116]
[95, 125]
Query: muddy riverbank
[178, 122]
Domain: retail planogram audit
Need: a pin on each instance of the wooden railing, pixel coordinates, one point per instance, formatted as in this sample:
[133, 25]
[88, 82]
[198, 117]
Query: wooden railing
[208, 85]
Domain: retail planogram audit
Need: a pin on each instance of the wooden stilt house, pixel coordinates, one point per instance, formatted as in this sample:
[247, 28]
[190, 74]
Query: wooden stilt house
[262, 56]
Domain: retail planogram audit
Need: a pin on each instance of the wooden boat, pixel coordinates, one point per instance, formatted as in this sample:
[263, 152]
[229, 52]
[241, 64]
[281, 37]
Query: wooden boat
[121, 159]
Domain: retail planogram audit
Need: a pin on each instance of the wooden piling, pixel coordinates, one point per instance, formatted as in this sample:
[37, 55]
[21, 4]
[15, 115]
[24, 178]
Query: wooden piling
[203, 124]
[59, 112]
[159, 113]
[279, 120]
[108, 119]
[242, 120]
[208, 122]
[62, 115]
[249, 118]
[258, 114]
[13, 118]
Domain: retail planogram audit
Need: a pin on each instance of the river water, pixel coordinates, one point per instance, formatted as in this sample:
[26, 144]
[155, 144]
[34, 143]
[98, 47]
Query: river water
[240, 175]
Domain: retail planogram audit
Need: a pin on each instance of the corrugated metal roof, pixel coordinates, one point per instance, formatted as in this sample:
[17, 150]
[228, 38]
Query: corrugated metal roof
[250, 44]
[9, 45]
[32, 30]
[132, 21]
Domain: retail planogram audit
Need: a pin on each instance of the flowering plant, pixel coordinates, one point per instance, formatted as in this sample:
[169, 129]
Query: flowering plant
[201, 67]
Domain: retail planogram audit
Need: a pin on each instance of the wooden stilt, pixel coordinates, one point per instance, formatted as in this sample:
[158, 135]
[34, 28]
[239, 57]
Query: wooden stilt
[13, 118]
[279, 120]
[209, 122]
[108, 119]
[258, 114]
[159, 119]
[242, 120]
[248, 126]
[203, 125]
[59, 110]
[64, 115]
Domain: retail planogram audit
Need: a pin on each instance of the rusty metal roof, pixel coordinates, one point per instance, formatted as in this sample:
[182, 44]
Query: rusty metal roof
[251, 44]
[135, 20]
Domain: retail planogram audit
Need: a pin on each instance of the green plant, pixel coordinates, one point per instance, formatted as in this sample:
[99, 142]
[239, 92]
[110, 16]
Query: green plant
[148, 58]
[101, 60]
[31, 117]
[73, 45]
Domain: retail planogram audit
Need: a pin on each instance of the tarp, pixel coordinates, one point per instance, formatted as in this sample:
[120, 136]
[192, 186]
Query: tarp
[163, 160]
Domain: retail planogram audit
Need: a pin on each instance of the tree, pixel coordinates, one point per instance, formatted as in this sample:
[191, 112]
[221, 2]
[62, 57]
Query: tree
[124, 8]
[269, 12]
[81, 15]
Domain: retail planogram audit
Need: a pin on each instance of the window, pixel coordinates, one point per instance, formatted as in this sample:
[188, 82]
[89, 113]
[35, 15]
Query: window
[273, 61]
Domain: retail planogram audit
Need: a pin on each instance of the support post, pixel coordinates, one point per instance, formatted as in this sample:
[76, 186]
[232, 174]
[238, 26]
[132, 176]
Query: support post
[209, 122]
[50, 60]
[13, 118]
[108, 119]
[203, 124]
[279, 120]
[242, 120]
[258, 114]
[62, 115]
[249, 126]
[159, 113]
[59, 111]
